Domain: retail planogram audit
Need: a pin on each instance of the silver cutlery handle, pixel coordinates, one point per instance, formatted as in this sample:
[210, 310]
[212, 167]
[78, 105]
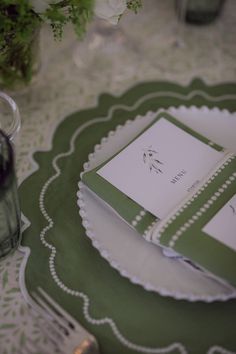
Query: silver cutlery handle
[88, 346]
[69, 335]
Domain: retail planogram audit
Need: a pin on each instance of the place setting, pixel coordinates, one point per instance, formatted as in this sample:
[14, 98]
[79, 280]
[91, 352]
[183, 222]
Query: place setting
[117, 177]
[90, 251]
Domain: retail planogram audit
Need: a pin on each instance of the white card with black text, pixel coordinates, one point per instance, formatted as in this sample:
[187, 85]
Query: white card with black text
[222, 226]
[160, 167]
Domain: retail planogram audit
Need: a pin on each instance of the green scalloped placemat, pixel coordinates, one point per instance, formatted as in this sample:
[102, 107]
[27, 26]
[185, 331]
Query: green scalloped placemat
[123, 316]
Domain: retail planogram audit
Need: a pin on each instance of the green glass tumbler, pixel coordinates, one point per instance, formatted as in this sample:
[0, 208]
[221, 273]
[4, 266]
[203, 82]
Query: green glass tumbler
[198, 12]
[10, 216]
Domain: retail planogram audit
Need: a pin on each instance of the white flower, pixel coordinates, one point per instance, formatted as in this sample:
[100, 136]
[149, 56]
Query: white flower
[110, 10]
[41, 6]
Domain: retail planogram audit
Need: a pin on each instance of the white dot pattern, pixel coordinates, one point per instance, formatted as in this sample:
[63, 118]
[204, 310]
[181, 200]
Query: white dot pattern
[142, 349]
[200, 191]
[147, 234]
[138, 217]
[202, 210]
[106, 320]
[216, 349]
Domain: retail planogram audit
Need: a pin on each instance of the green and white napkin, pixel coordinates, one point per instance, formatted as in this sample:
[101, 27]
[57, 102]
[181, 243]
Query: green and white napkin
[178, 190]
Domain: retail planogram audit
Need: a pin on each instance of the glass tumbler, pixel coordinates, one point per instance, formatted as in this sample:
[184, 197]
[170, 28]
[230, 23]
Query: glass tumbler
[9, 203]
[199, 12]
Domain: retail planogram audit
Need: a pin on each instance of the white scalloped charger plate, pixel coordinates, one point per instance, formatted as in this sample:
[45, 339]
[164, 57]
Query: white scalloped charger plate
[136, 259]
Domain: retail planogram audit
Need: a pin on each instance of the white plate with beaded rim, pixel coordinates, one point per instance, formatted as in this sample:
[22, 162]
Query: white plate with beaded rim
[136, 259]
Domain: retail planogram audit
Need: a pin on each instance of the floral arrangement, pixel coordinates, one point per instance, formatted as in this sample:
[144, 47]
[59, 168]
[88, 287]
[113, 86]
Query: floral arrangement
[20, 21]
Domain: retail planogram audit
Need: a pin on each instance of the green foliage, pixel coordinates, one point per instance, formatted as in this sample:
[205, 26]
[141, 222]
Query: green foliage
[79, 13]
[134, 5]
[19, 24]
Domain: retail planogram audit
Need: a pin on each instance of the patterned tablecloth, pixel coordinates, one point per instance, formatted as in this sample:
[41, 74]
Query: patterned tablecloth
[63, 261]
[151, 45]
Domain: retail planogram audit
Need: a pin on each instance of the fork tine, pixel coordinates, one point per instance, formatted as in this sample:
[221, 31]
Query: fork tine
[58, 308]
[62, 322]
[52, 333]
[75, 337]
[29, 348]
[44, 319]
[51, 330]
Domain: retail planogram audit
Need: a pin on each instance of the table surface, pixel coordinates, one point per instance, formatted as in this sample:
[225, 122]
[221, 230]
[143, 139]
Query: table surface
[152, 45]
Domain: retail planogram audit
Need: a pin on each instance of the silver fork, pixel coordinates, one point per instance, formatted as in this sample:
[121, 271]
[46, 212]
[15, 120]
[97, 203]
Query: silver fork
[31, 347]
[68, 336]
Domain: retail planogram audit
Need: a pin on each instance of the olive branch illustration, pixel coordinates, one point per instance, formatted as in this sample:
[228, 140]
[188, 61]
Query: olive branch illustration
[150, 158]
[233, 209]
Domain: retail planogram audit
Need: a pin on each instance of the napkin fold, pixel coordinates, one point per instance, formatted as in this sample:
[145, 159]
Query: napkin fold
[178, 190]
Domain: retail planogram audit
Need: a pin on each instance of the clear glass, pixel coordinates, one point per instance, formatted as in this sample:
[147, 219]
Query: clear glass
[198, 11]
[10, 230]
[9, 116]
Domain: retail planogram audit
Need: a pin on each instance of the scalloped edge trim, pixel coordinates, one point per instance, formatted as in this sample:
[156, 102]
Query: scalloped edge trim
[27, 250]
[104, 253]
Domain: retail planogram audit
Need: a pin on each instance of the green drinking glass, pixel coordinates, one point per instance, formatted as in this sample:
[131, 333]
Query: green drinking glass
[10, 216]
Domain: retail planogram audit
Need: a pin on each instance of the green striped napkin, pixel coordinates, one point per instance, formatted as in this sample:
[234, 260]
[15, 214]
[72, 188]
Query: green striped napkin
[178, 190]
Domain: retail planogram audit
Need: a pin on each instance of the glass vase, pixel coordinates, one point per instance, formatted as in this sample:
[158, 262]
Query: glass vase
[198, 11]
